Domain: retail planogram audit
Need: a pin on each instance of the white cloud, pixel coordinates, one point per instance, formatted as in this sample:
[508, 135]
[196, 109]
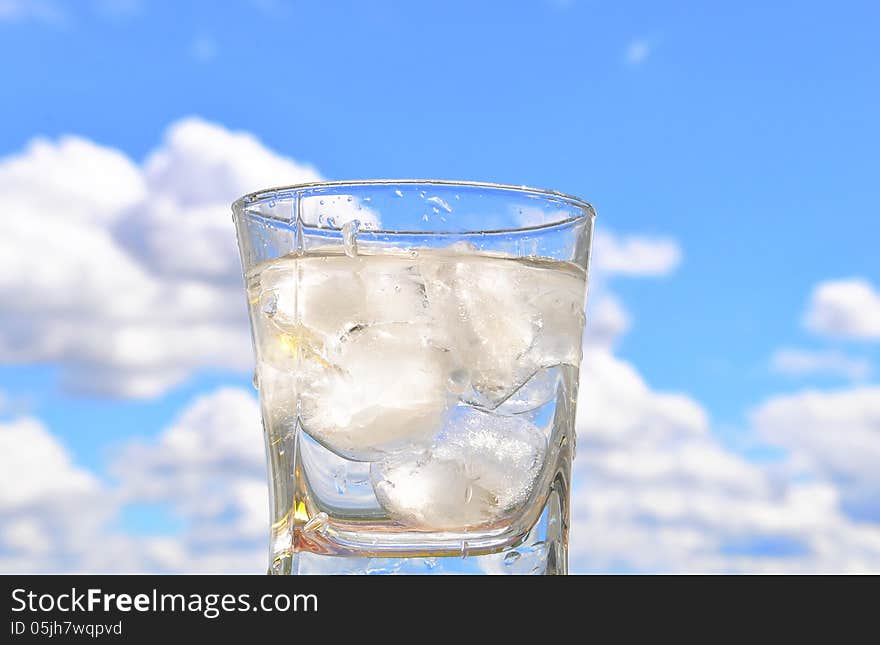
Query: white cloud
[637, 51]
[845, 309]
[607, 320]
[801, 362]
[128, 276]
[833, 435]
[655, 491]
[49, 507]
[209, 469]
[634, 255]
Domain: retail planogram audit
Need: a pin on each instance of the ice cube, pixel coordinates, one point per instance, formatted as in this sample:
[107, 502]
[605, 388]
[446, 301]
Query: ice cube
[506, 319]
[480, 468]
[537, 392]
[330, 294]
[386, 391]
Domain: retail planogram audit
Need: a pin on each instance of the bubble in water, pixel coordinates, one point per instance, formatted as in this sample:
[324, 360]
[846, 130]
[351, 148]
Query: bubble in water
[511, 558]
[349, 237]
[317, 524]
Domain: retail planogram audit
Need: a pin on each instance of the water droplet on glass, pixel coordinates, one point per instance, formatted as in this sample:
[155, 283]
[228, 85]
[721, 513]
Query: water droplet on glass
[321, 202]
[398, 193]
[316, 524]
[272, 203]
[270, 305]
[431, 563]
[256, 380]
[277, 565]
[368, 199]
[349, 237]
[422, 194]
[511, 558]
[348, 199]
[468, 494]
[441, 203]
[413, 253]
[464, 549]
[425, 217]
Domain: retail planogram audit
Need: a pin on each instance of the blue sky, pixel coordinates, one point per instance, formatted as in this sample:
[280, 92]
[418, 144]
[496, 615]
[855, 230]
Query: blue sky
[744, 133]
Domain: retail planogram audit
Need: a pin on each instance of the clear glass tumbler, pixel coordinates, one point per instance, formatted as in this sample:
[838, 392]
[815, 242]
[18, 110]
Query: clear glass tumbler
[417, 348]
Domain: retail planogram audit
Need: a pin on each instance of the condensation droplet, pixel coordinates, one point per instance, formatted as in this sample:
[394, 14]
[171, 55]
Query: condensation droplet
[441, 203]
[511, 558]
[317, 524]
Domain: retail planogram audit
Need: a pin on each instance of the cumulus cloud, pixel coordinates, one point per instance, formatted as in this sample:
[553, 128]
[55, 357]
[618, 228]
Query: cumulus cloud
[845, 309]
[49, 507]
[607, 320]
[207, 468]
[634, 255]
[655, 491]
[801, 362]
[834, 435]
[126, 275]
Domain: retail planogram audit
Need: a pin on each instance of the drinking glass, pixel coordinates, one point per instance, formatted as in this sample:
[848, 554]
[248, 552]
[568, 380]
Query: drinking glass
[417, 350]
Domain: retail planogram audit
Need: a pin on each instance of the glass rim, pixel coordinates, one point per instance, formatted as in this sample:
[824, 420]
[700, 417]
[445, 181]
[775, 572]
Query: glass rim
[586, 208]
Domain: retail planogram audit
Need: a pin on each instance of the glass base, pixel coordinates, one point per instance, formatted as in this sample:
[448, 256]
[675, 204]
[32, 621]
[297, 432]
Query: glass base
[543, 551]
